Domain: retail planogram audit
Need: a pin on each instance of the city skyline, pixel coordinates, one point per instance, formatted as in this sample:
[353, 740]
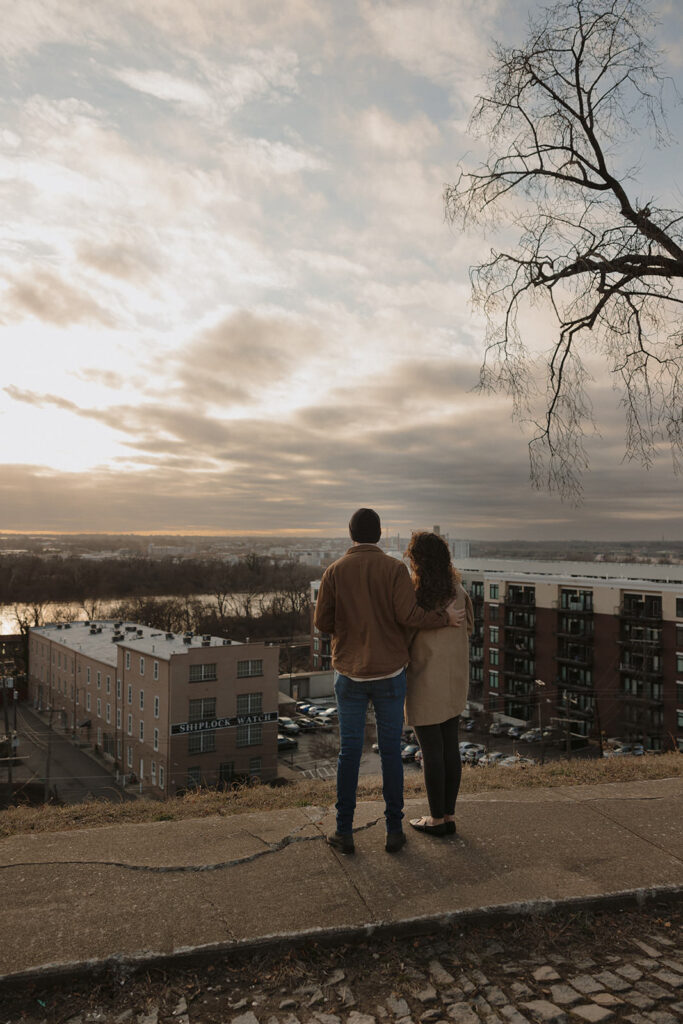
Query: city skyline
[231, 302]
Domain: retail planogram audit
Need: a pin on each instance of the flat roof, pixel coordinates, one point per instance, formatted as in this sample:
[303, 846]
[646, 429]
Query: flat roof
[618, 574]
[101, 639]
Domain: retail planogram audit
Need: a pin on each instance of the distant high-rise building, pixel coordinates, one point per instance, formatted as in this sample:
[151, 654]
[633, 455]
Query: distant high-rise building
[460, 549]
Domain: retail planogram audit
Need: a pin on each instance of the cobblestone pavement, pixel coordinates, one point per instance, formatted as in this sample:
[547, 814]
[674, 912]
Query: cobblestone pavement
[559, 968]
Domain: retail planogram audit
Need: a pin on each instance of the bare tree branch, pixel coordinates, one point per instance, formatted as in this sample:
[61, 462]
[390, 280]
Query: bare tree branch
[609, 266]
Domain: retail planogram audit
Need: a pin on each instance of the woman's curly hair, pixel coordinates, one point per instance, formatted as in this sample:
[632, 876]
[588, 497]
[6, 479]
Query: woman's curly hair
[434, 578]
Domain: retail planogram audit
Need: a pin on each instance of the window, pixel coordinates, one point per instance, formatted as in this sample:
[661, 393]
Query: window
[99, 680]
[127, 659]
[202, 710]
[226, 771]
[99, 707]
[87, 702]
[194, 778]
[493, 612]
[87, 671]
[142, 666]
[199, 673]
[493, 656]
[249, 703]
[108, 684]
[156, 739]
[107, 713]
[130, 694]
[118, 718]
[249, 735]
[679, 607]
[201, 742]
[142, 700]
[493, 680]
[254, 766]
[130, 757]
[493, 634]
[130, 725]
[156, 707]
[153, 772]
[141, 773]
[679, 718]
[118, 689]
[679, 661]
[493, 591]
[161, 776]
[249, 668]
[155, 670]
[99, 737]
[142, 732]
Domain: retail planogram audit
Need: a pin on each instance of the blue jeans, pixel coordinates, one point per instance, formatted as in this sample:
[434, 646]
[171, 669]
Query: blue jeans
[387, 697]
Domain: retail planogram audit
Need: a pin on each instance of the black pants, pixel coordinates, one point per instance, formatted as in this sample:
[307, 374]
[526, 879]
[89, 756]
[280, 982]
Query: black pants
[442, 765]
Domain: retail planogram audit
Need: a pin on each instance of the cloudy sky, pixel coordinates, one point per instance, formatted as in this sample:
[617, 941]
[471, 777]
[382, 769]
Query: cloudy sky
[230, 301]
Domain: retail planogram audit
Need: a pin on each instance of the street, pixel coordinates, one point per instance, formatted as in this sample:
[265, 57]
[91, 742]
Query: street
[74, 775]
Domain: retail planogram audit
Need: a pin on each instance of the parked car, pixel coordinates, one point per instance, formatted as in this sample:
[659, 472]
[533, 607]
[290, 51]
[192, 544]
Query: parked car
[288, 725]
[626, 750]
[532, 736]
[286, 742]
[409, 751]
[329, 713]
[469, 724]
[498, 729]
[515, 731]
[464, 746]
[302, 706]
[418, 756]
[305, 724]
[473, 753]
[493, 757]
[313, 710]
[508, 762]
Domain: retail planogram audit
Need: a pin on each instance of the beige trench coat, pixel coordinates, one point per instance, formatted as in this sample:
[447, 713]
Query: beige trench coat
[439, 669]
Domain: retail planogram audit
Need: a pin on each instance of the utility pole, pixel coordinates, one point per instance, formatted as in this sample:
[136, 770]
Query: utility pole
[48, 757]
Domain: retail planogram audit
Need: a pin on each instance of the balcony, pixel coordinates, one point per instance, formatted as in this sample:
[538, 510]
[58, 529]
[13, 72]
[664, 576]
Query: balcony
[520, 620]
[520, 667]
[519, 688]
[517, 644]
[575, 654]
[646, 669]
[520, 598]
[582, 629]
[644, 697]
[641, 637]
[641, 611]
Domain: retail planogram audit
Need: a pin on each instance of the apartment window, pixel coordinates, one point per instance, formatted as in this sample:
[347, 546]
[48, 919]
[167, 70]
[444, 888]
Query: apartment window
[107, 713]
[130, 725]
[119, 748]
[99, 680]
[254, 766]
[130, 694]
[118, 689]
[679, 718]
[679, 661]
[202, 710]
[142, 700]
[493, 591]
[161, 776]
[141, 774]
[87, 702]
[59, 659]
[108, 687]
[153, 772]
[679, 636]
[155, 670]
[249, 668]
[249, 735]
[156, 739]
[493, 612]
[87, 672]
[99, 707]
[207, 671]
[201, 742]
[130, 757]
[249, 703]
[118, 718]
[679, 607]
[493, 680]
[493, 634]
[99, 737]
[127, 659]
[142, 732]
[494, 656]
[156, 707]
[477, 588]
[142, 666]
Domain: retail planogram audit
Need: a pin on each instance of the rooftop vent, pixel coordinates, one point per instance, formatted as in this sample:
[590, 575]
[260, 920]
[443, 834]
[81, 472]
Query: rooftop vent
[206, 636]
[87, 622]
[117, 625]
[187, 639]
[60, 626]
[226, 643]
[131, 629]
[67, 625]
[99, 629]
[140, 632]
[170, 636]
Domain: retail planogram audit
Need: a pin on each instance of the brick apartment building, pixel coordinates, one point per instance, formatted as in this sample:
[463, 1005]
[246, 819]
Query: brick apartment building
[171, 710]
[606, 639]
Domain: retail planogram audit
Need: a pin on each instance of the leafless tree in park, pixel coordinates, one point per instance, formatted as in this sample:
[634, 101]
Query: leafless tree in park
[606, 260]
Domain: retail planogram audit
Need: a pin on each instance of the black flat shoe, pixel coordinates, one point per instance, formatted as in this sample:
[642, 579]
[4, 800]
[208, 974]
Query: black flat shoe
[450, 828]
[420, 825]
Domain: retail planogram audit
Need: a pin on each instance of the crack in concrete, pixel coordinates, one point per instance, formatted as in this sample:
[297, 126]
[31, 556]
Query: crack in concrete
[283, 843]
[621, 824]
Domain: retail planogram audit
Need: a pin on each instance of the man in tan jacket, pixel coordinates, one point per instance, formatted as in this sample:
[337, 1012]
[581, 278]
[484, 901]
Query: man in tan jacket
[366, 602]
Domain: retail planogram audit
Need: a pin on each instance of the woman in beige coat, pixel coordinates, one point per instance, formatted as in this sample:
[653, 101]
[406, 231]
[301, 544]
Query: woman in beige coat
[438, 679]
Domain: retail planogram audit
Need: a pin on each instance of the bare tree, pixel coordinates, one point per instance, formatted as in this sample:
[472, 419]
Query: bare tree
[608, 263]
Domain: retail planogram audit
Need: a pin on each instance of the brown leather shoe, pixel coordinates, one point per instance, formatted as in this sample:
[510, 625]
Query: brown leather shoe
[395, 842]
[343, 842]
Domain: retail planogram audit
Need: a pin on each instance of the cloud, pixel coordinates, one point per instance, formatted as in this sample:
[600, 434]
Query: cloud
[47, 296]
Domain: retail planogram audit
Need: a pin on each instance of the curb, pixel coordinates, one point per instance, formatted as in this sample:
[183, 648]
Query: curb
[197, 955]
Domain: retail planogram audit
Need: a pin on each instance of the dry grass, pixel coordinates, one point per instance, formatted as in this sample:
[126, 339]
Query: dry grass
[19, 820]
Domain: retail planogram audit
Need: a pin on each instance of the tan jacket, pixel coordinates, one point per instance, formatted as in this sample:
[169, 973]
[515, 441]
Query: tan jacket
[366, 602]
[439, 670]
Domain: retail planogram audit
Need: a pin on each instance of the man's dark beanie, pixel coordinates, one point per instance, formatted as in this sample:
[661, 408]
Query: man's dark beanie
[364, 526]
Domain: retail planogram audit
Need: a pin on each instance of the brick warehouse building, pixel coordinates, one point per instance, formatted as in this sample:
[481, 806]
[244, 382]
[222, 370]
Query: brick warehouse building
[171, 710]
[606, 639]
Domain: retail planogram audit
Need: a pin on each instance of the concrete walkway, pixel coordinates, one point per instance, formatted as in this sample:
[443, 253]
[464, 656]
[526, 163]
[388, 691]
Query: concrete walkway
[147, 890]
